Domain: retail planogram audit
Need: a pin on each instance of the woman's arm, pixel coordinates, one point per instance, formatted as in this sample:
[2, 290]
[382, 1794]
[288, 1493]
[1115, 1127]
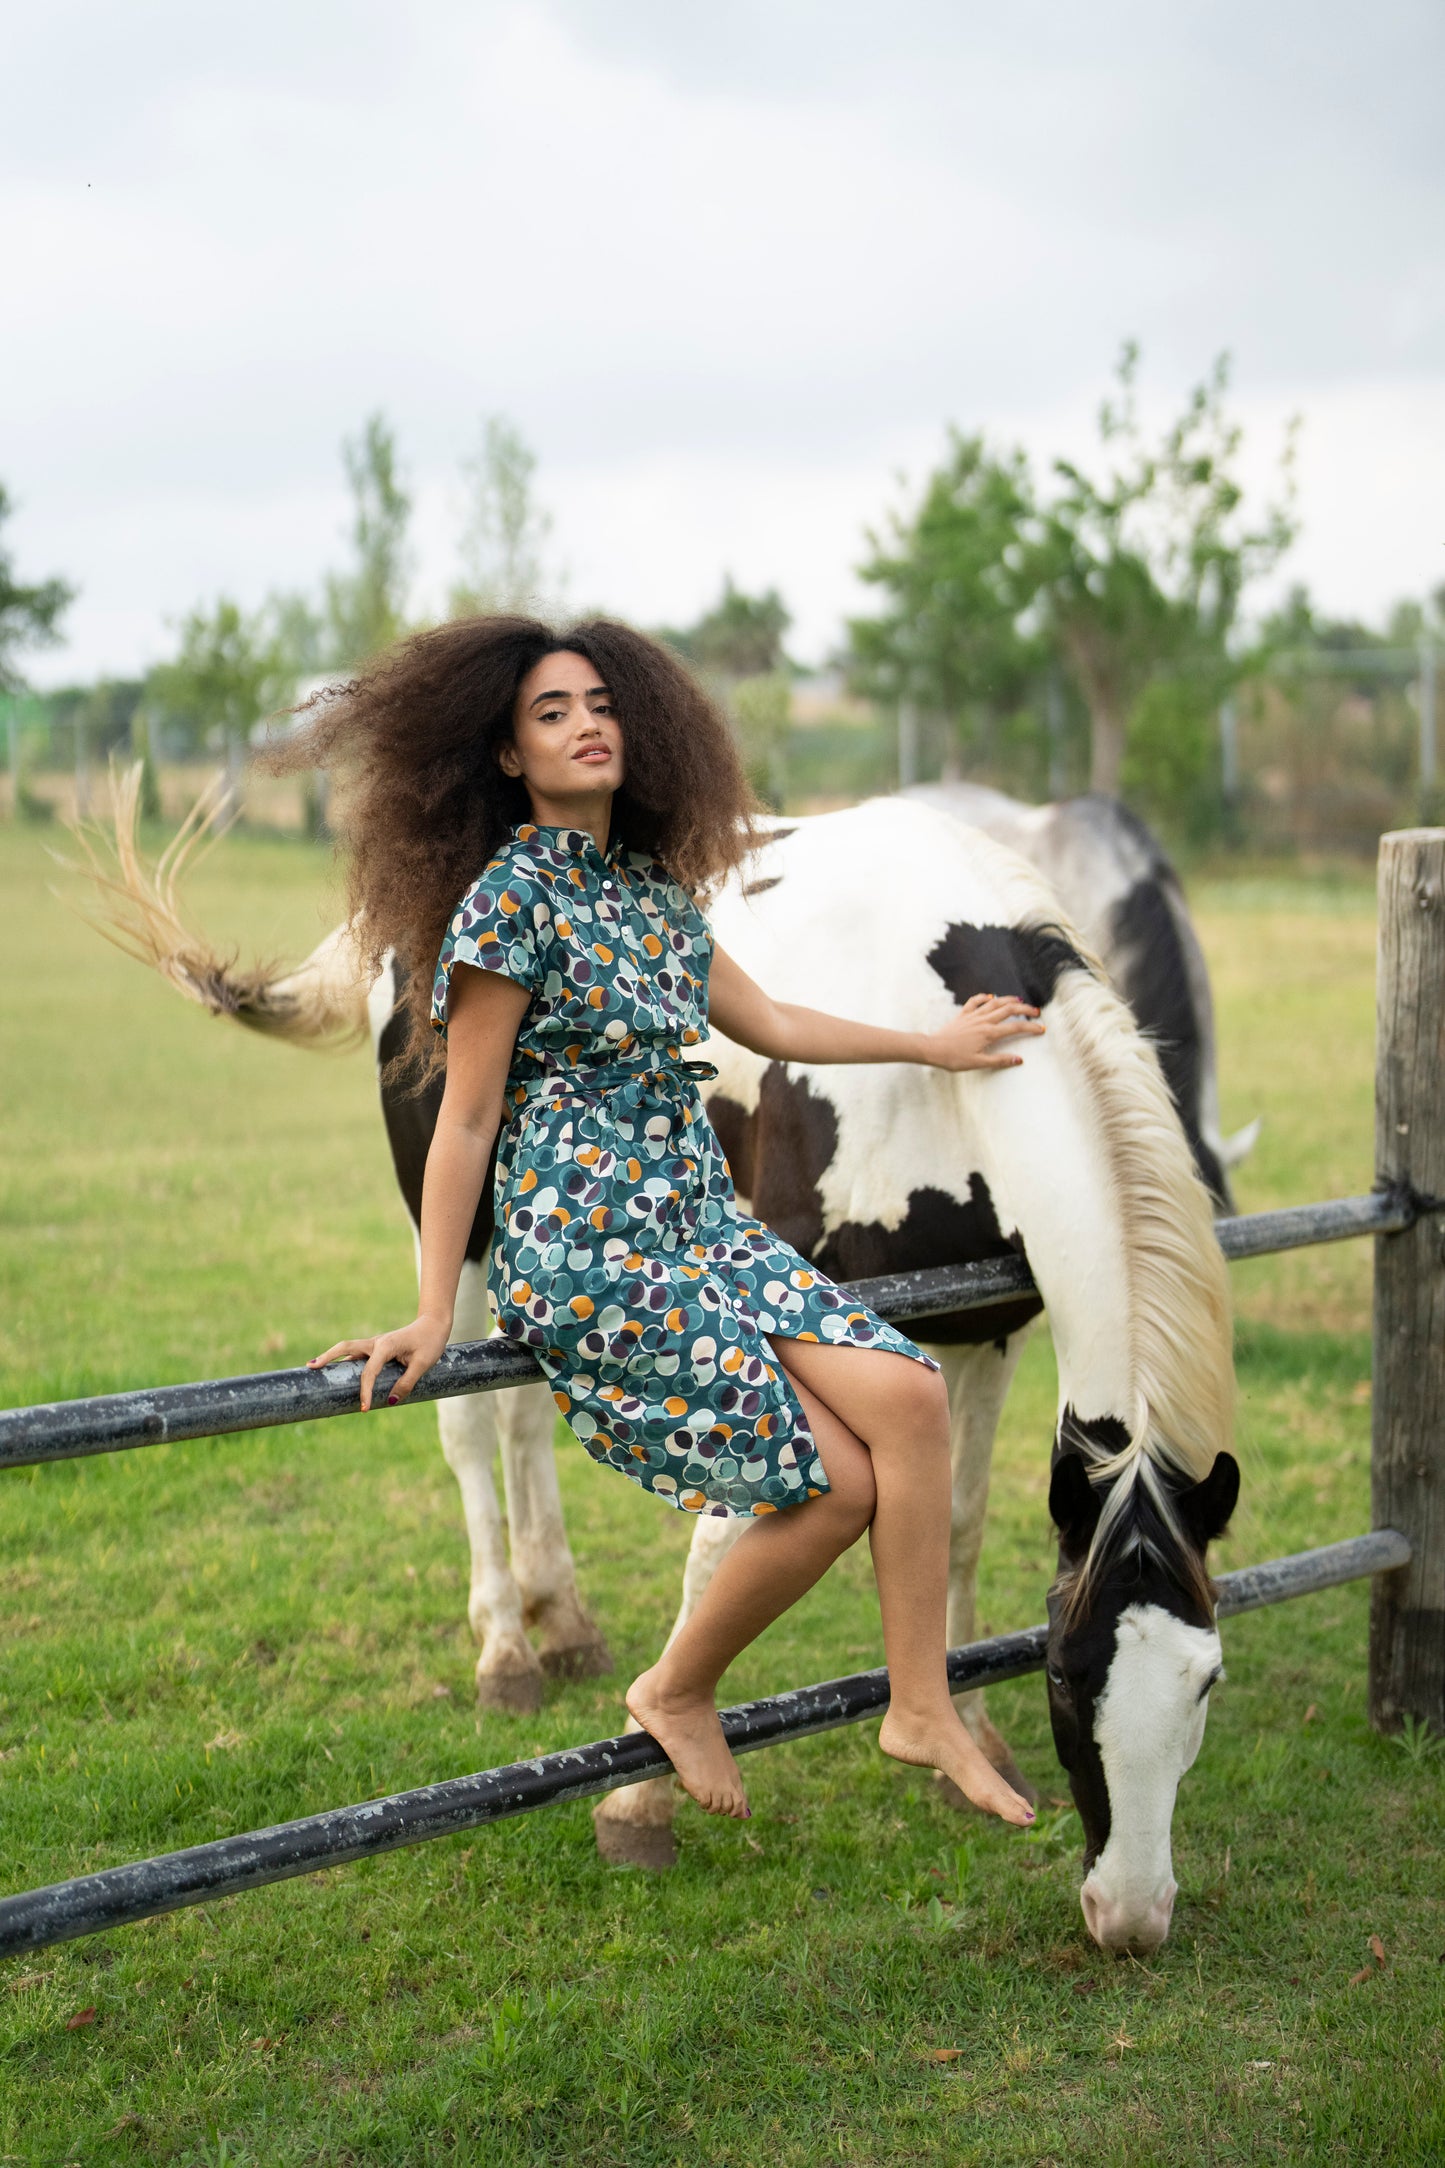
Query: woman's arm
[782, 1031]
[484, 1015]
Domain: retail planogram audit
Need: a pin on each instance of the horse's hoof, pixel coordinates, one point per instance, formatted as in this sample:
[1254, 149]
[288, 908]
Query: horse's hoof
[517, 1692]
[635, 1844]
[583, 1660]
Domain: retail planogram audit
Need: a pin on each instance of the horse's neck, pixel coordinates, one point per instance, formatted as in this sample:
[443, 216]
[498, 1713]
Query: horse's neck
[1050, 1184]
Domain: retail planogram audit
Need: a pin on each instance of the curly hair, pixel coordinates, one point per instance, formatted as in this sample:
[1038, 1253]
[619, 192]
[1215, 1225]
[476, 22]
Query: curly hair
[420, 802]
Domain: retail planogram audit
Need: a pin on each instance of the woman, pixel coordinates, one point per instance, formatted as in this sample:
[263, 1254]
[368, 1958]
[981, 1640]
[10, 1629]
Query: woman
[529, 817]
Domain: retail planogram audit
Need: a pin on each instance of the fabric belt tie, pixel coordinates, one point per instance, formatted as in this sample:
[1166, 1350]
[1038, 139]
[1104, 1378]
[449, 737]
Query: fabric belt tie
[621, 1084]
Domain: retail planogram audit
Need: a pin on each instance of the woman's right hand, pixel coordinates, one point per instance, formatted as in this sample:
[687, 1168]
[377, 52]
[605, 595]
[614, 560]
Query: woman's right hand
[417, 1346]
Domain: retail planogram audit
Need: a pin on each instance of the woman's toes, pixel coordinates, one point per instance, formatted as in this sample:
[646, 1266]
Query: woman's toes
[690, 1735]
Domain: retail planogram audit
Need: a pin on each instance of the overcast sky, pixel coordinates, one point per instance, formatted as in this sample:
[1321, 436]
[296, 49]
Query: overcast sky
[731, 269]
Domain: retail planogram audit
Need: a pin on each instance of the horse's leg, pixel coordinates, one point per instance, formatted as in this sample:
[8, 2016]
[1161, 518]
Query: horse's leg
[978, 1382]
[508, 1673]
[634, 1825]
[570, 1645]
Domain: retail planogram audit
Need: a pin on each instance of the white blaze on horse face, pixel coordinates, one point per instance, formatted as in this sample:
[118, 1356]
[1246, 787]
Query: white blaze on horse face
[1148, 1726]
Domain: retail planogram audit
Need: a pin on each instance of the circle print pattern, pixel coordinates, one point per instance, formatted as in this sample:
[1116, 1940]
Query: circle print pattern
[620, 1258]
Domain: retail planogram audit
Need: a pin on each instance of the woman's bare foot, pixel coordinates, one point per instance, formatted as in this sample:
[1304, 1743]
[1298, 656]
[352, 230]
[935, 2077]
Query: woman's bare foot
[691, 1737]
[942, 1742]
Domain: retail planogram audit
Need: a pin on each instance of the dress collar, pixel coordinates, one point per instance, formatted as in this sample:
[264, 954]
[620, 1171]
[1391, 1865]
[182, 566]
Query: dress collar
[574, 842]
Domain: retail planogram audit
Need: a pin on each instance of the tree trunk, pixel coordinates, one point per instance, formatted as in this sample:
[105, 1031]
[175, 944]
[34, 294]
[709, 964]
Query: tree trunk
[1106, 748]
[1102, 680]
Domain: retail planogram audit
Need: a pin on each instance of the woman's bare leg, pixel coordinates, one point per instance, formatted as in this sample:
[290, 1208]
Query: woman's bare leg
[766, 1571]
[900, 1411]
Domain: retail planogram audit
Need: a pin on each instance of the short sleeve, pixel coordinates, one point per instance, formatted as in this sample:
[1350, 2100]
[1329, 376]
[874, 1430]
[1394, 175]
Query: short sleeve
[495, 927]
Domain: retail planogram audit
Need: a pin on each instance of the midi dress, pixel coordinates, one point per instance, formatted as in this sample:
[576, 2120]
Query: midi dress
[620, 1258]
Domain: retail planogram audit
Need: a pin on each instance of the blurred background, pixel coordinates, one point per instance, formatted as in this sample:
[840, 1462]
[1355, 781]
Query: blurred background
[1053, 398]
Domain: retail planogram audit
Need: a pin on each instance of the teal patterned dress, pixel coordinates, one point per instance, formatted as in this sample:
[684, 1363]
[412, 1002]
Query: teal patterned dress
[620, 1258]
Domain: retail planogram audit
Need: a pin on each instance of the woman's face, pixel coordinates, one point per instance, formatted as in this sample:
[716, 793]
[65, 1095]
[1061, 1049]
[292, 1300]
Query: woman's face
[566, 741]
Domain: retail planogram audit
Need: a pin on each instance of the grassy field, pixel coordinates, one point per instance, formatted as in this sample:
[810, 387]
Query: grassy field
[207, 1637]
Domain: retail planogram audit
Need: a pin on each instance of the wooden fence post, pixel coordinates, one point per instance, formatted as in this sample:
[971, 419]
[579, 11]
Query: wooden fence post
[1407, 1614]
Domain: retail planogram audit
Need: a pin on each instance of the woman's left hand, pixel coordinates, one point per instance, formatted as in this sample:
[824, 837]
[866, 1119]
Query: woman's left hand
[973, 1039]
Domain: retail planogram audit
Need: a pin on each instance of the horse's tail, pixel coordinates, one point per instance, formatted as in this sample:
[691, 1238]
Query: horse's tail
[321, 1002]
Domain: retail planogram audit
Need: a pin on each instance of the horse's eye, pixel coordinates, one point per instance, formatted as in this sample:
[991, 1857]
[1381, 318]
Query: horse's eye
[1057, 1679]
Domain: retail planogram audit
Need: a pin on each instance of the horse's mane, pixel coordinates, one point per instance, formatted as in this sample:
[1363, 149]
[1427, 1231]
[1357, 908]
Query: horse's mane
[1180, 1333]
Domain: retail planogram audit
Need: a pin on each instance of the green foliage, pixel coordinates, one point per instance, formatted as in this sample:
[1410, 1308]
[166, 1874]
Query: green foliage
[505, 531]
[1123, 578]
[84, 722]
[1297, 627]
[29, 615]
[26, 720]
[1418, 1741]
[953, 574]
[186, 1199]
[1140, 571]
[842, 759]
[762, 707]
[1171, 767]
[1410, 622]
[229, 672]
[296, 634]
[737, 648]
[366, 607]
[741, 636]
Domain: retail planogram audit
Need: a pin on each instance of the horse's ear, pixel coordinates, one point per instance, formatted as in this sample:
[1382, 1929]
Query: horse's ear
[1205, 1510]
[1074, 1504]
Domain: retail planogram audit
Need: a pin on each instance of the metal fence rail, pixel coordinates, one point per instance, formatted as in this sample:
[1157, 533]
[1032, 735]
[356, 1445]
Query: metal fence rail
[118, 1896]
[112, 1422]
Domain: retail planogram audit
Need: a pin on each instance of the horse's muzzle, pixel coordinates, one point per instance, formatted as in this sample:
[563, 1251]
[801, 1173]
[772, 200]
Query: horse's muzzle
[1116, 1926]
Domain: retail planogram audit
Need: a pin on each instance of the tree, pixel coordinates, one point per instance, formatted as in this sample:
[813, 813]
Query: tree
[366, 608]
[1140, 574]
[297, 633]
[741, 636]
[762, 710]
[29, 616]
[505, 531]
[228, 673]
[1125, 586]
[950, 641]
[738, 646]
[1412, 622]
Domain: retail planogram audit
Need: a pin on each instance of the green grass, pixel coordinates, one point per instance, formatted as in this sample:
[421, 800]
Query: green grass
[207, 1637]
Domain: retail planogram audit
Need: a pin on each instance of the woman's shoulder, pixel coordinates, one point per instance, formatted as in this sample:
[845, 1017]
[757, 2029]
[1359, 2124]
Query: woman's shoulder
[502, 900]
[515, 869]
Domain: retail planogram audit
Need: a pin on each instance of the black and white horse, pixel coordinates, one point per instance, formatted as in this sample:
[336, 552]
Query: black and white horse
[896, 912]
[1079, 1160]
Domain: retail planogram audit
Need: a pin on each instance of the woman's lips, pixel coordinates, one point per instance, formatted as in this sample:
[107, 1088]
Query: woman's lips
[594, 752]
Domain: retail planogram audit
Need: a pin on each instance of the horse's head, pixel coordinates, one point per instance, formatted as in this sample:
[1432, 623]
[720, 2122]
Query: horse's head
[1133, 1652]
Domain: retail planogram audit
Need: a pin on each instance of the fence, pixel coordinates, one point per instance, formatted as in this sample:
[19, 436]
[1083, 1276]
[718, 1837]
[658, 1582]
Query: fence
[1405, 1554]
